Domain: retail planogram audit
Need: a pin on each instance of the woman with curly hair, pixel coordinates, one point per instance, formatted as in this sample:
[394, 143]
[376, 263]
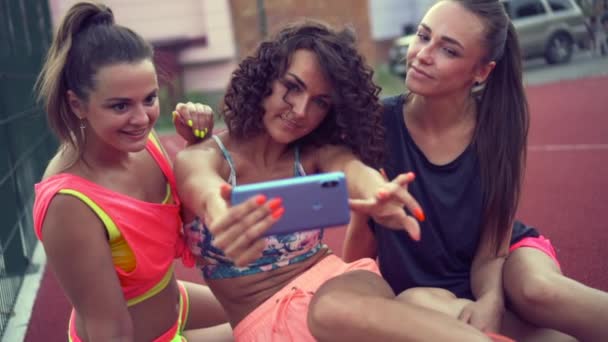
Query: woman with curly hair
[304, 103]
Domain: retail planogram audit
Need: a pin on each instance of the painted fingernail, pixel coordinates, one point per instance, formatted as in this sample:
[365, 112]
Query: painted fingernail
[260, 199]
[419, 214]
[174, 116]
[197, 132]
[205, 130]
[383, 173]
[278, 213]
[202, 135]
[411, 176]
[190, 123]
[225, 187]
[275, 203]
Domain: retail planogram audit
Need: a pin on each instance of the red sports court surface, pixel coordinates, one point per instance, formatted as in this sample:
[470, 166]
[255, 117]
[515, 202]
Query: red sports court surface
[565, 193]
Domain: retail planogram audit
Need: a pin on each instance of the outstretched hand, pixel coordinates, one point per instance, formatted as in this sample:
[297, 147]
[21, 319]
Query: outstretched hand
[387, 207]
[193, 121]
[238, 229]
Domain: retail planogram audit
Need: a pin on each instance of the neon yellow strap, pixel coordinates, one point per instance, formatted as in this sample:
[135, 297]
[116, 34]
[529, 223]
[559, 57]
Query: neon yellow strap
[155, 290]
[113, 232]
[155, 141]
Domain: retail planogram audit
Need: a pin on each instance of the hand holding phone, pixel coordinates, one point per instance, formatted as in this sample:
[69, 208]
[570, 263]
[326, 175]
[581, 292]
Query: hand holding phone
[310, 202]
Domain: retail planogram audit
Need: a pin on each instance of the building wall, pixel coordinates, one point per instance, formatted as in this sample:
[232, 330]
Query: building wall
[388, 17]
[206, 67]
[155, 20]
[245, 16]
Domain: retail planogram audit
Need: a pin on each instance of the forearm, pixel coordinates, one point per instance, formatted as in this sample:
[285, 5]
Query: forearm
[486, 279]
[363, 181]
[359, 241]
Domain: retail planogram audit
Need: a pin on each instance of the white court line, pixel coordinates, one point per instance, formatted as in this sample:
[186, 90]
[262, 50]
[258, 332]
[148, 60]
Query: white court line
[17, 325]
[567, 147]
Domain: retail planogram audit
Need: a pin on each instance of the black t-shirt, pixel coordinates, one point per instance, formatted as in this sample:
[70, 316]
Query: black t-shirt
[451, 198]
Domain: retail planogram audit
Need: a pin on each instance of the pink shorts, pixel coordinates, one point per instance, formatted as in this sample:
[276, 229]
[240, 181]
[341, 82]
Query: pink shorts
[540, 243]
[283, 317]
[171, 335]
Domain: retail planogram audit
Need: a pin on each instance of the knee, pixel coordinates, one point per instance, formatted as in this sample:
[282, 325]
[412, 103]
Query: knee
[423, 296]
[330, 312]
[534, 289]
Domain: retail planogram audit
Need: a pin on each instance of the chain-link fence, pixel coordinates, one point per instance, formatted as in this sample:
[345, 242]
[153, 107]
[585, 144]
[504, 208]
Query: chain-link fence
[25, 142]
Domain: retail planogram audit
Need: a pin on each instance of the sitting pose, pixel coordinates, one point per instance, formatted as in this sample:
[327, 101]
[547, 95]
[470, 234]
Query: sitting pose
[106, 210]
[461, 127]
[304, 103]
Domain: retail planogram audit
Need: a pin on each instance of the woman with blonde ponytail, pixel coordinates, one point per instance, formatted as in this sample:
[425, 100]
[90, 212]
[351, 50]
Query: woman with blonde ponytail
[106, 210]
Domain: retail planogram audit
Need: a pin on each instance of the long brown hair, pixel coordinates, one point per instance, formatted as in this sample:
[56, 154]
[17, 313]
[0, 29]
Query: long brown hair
[87, 39]
[354, 119]
[502, 120]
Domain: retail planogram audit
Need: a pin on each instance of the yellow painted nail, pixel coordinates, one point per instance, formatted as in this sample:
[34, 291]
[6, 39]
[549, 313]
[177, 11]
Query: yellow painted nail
[190, 123]
[206, 130]
[197, 132]
[175, 115]
[202, 134]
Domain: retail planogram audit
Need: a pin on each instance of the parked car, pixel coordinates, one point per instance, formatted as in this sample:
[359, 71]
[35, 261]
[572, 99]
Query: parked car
[545, 28]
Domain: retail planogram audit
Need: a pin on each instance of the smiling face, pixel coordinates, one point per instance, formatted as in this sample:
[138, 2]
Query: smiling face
[123, 108]
[300, 99]
[446, 55]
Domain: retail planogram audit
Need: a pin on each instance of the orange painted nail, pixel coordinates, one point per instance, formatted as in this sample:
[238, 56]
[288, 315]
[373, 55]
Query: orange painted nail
[411, 176]
[383, 173]
[278, 213]
[419, 214]
[275, 203]
[260, 199]
[225, 187]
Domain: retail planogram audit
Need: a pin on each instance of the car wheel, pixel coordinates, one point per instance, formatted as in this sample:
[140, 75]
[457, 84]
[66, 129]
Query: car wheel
[559, 49]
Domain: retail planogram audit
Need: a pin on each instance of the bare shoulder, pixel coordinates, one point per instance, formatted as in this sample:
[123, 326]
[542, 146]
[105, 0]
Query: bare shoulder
[205, 152]
[205, 156]
[69, 220]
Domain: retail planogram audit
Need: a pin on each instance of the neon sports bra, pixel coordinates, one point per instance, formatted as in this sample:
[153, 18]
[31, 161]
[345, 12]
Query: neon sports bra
[150, 230]
[281, 250]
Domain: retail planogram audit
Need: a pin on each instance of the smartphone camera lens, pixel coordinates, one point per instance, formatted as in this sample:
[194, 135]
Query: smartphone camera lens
[329, 184]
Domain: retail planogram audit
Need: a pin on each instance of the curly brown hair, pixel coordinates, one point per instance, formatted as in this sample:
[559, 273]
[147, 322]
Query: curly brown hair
[354, 119]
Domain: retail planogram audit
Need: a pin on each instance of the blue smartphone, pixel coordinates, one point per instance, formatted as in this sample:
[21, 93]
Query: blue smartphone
[310, 202]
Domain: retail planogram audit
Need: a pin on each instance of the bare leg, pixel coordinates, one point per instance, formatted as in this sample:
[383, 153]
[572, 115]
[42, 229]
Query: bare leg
[522, 331]
[539, 293]
[436, 299]
[207, 320]
[446, 302]
[360, 306]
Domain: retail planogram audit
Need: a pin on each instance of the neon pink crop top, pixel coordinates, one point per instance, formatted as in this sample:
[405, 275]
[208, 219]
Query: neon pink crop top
[152, 230]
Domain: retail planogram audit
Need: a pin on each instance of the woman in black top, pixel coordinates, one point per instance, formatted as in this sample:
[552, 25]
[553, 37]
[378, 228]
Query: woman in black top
[462, 129]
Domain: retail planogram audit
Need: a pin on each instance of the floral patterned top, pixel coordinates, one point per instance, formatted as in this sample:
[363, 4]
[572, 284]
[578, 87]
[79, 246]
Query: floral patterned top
[281, 250]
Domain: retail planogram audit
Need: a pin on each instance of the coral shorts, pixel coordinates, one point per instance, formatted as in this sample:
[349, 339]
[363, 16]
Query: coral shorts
[171, 335]
[540, 243]
[283, 317]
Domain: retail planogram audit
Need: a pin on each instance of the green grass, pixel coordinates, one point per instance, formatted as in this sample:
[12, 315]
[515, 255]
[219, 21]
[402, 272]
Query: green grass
[390, 84]
[211, 99]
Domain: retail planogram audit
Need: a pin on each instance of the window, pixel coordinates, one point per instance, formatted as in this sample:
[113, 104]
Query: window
[527, 8]
[560, 5]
